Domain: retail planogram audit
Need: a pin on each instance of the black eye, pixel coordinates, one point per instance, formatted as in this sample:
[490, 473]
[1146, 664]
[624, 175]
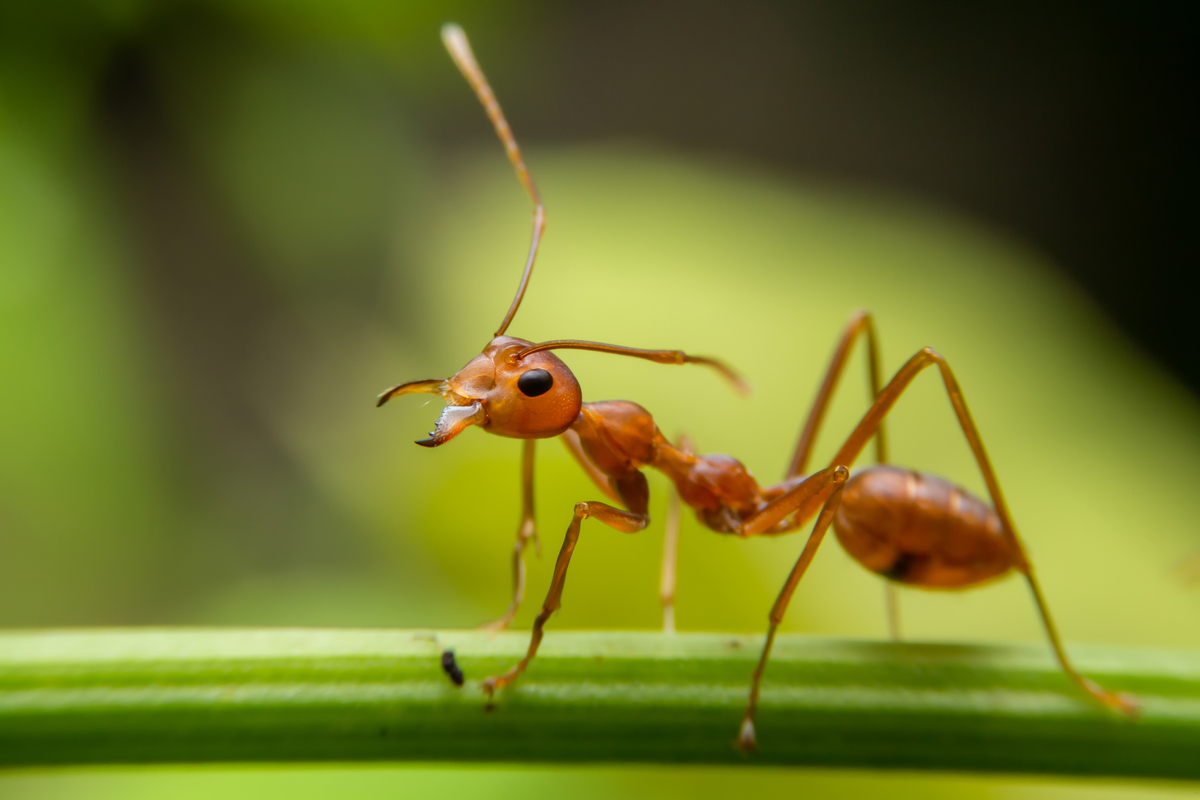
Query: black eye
[535, 382]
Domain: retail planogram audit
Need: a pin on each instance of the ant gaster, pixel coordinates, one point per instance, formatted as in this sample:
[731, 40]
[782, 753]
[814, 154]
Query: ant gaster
[908, 527]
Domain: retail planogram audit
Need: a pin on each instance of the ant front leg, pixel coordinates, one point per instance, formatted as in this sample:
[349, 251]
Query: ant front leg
[633, 491]
[666, 585]
[826, 484]
[526, 531]
[570, 440]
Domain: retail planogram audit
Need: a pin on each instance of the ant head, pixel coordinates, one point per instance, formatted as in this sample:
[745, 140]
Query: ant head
[531, 398]
[526, 398]
[516, 388]
[534, 397]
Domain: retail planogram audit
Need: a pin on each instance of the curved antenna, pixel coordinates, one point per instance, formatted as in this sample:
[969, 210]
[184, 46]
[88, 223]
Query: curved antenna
[657, 356]
[460, 50]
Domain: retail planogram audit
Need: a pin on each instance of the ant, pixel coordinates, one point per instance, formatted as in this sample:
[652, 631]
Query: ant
[909, 527]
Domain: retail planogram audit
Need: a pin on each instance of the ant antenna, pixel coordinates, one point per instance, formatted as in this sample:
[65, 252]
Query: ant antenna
[460, 50]
[657, 356]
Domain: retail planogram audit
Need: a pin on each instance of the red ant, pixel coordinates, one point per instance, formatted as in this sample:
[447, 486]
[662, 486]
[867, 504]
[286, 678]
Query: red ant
[908, 527]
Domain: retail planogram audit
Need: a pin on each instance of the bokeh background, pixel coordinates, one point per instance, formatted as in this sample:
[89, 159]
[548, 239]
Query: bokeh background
[225, 226]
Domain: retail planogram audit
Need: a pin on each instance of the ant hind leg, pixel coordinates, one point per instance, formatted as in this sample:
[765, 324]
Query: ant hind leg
[1020, 559]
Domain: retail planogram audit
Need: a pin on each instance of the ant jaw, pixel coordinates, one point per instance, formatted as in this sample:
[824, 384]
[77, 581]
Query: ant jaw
[455, 418]
[453, 421]
[433, 386]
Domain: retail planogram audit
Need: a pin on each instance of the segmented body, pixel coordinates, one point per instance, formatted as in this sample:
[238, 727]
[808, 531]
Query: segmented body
[909, 527]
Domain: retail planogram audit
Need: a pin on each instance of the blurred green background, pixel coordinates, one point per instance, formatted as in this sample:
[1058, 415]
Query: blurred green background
[224, 227]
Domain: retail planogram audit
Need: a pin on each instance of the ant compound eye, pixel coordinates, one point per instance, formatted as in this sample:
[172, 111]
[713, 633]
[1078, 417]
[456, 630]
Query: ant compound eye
[535, 382]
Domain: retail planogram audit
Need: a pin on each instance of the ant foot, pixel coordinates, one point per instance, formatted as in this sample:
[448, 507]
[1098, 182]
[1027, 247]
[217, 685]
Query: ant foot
[746, 742]
[1127, 704]
[490, 685]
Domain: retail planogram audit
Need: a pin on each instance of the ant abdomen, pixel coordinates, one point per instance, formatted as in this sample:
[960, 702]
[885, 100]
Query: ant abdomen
[921, 530]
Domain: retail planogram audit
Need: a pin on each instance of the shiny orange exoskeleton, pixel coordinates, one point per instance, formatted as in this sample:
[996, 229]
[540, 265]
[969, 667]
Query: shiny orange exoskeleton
[905, 526]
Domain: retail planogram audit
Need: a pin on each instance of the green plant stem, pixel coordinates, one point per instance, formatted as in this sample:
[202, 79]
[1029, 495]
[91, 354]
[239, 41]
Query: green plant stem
[191, 695]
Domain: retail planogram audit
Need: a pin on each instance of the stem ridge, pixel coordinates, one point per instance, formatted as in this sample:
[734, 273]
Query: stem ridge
[197, 695]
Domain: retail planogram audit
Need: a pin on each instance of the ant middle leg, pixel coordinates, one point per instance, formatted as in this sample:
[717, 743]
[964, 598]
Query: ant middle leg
[860, 324]
[666, 581]
[670, 558]
[634, 492]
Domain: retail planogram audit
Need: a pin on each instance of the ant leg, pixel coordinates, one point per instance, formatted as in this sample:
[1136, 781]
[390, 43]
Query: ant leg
[570, 440]
[526, 531]
[666, 585]
[870, 423]
[828, 482]
[860, 323]
[891, 602]
[624, 521]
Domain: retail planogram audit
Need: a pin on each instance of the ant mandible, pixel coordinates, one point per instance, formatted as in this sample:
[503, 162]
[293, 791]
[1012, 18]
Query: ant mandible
[908, 527]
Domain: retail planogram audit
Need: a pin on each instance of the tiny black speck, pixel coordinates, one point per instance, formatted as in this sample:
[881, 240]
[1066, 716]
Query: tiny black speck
[450, 667]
